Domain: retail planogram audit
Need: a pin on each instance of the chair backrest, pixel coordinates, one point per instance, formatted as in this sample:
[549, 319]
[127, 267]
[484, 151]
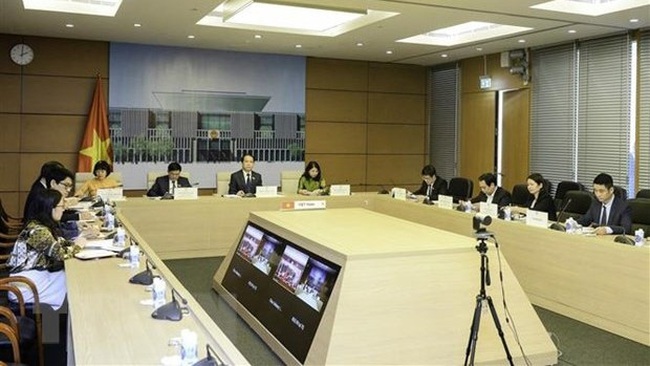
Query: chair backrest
[578, 205]
[640, 214]
[10, 334]
[644, 193]
[83, 177]
[565, 186]
[223, 179]
[520, 195]
[461, 188]
[289, 181]
[151, 177]
[620, 192]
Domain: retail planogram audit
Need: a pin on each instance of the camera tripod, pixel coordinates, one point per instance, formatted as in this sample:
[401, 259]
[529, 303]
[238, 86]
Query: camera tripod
[481, 299]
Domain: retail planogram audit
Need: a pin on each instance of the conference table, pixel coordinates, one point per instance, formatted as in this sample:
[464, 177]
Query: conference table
[590, 279]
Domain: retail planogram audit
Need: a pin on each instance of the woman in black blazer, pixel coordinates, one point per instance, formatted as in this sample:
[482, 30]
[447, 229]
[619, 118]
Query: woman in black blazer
[539, 198]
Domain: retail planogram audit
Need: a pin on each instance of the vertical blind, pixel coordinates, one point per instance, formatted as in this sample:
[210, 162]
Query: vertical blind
[443, 108]
[644, 111]
[553, 112]
[604, 109]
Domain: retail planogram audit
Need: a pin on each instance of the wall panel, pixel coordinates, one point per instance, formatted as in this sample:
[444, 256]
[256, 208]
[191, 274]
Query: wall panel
[478, 123]
[30, 166]
[10, 136]
[341, 106]
[394, 78]
[8, 164]
[67, 57]
[342, 168]
[10, 93]
[52, 133]
[396, 139]
[11, 203]
[337, 74]
[395, 170]
[6, 42]
[350, 138]
[57, 95]
[396, 108]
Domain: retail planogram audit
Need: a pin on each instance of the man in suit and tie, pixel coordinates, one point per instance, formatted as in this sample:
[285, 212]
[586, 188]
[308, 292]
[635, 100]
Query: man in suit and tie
[165, 185]
[609, 214]
[245, 181]
[432, 185]
[490, 192]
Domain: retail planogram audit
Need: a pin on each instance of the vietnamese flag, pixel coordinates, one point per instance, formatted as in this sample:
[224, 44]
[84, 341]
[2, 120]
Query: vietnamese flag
[96, 143]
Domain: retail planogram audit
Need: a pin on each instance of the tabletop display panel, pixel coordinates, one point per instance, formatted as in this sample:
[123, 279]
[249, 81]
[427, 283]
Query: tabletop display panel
[283, 285]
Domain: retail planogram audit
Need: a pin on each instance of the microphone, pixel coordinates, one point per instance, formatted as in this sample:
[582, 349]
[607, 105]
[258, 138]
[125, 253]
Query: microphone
[623, 239]
[172, 310]
[556, 225]
[212, 359]
[479, 219]
[145, 277]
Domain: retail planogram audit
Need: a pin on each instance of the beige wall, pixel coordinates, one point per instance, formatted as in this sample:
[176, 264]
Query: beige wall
[43, 108]
[366, 122]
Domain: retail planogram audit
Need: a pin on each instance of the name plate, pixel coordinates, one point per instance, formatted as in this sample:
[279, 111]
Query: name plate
[266, 191]
[186, 193]
[445, 201]
[340, 190]
[491, 209]
[304, 205]
[111, 194]
[537, 218]
[399, 193]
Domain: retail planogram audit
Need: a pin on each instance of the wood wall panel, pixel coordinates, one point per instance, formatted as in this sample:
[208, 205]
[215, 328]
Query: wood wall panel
[396, 108]
[30, 165]
[10, 136]
[57, 95]
[472, 68]
[52, 133]
[396, 139]
[344, 138]
[67, 57]
[11, 203]
[8, 164]
[395, 78]
[342, 168]
[6, 42]
[336, 74]
[395, 170]
[340, 106]
[516, 137]
[10, 93]
[478, 123]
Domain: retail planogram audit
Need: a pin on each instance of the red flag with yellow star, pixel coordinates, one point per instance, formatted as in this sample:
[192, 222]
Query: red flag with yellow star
[96, 143]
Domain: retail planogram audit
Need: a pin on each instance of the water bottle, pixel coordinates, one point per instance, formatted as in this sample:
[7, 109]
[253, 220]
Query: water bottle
[468, 206]
[109, 221]
[507, 213]
[134, 256]
[569, 224]
[639, 237]
[158, 292]
[189, 342]
[120, 237]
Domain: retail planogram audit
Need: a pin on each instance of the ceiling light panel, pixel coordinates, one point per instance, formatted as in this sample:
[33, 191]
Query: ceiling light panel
[107, 8]
[464, 33]
[590, 7]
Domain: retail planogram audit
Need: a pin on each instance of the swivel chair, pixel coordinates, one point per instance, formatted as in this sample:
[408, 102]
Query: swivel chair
[460, 188]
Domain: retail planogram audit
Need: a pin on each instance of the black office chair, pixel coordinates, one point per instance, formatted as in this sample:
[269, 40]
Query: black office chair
[620, 192]
[578, 206]
[561, 190]
[644, 193]
[520, 195]
[460, 188]
[548, 187]
[640, 215]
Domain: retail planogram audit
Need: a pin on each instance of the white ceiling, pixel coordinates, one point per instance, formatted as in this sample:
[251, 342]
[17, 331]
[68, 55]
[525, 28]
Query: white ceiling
[169, 22]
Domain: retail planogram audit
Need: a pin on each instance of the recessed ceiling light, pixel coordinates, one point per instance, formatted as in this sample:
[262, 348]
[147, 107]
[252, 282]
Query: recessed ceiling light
[592, 8]
[137, 25]
[191, 36]
[522, 41]
[571, 31]
[464, 33]
[634, 20]
[298, 46]
[359, 44]
[106, 8]
[69, 25]
[389, 52]
[258, 36]
[444, 55]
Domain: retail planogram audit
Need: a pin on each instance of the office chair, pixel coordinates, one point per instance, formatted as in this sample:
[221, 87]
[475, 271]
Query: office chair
[561, 190]
[10, 336]
[28, 328]
[460, 188]
[520, 195]
[644, 193]
[640, 215]
[578, 205]
[620, 192]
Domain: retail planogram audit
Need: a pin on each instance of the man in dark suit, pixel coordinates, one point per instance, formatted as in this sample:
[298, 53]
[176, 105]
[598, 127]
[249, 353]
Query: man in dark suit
[610, 214]
[166, 184]
[490, 192]
[432, 185]
[245, 181]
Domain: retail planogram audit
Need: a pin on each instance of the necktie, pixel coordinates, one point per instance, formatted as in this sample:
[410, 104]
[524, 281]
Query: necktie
[429, 190]
[603, 216]
[173, 186]
[248, 180]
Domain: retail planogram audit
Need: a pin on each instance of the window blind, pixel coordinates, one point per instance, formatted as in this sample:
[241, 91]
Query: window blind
[553, 113]
[644, 111]
[443, 110]
[604, 109]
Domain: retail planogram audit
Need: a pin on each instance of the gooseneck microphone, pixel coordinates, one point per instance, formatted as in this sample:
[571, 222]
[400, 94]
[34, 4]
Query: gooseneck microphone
[556, 225]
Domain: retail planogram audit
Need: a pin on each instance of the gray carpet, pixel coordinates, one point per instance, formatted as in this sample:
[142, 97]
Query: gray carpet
[578, 343]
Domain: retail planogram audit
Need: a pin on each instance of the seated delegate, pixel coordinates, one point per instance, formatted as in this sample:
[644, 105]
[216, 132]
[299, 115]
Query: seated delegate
[165, 185]
[311, 182]
[102, 171]
[609, 214]
[490, 192]
[40, 250]
[245, 181]
[539, 198]
[432, 184]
